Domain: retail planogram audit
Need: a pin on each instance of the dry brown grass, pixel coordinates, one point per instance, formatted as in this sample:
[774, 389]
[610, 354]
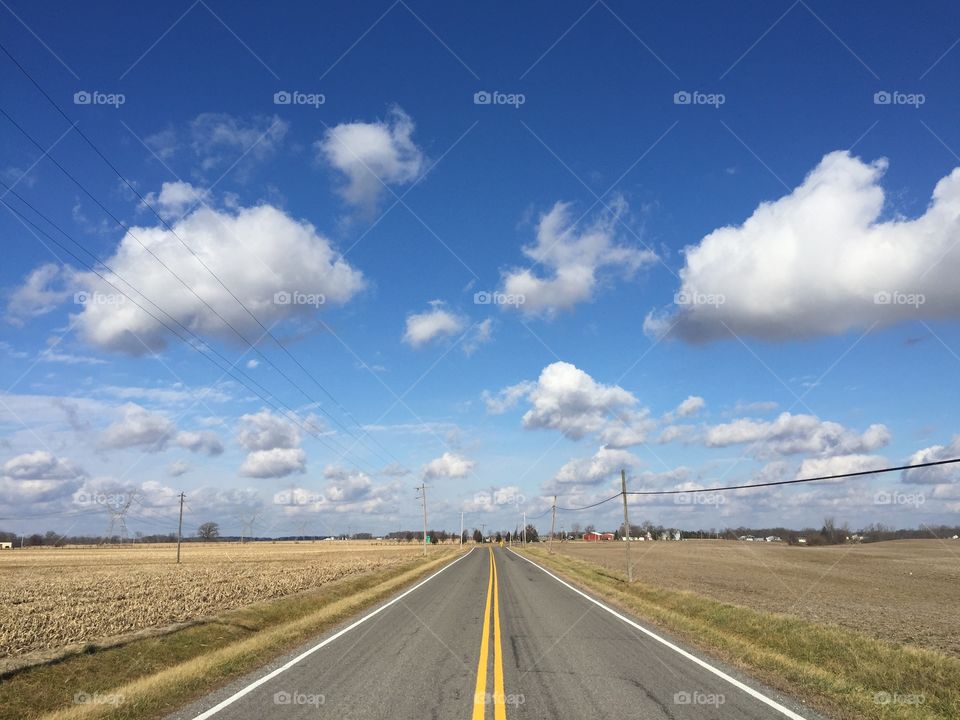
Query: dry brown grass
[52, 597]
[845, 674]
[904, 591]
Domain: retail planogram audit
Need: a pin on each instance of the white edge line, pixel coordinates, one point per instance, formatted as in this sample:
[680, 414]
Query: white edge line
[705, 665]
[269, 676]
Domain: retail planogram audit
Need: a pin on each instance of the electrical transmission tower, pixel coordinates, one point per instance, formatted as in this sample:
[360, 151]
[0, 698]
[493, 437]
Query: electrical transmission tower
[118, 505]
[247, 521]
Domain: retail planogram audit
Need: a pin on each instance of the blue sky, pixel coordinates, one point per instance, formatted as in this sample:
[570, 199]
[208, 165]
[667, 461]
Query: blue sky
[754, 284]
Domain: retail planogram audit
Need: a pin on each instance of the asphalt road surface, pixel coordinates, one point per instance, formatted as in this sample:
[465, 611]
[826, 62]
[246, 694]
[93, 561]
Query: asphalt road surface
[494, 636]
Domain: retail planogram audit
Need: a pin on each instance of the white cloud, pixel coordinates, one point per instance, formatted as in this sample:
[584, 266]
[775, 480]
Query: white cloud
[691, 406]
[297, 259]
[573, 259]
[52, 356]
[219, 138]
[178, 468]
[138, 428]
[394, 470]
[673, 433]
[205, 441]
[346, 485]
[38, 477]
[174, 394]
[176, 198]
[568, 400]
[371, 155]
[480, 334]
[448, 465]
[44, 290]
[507, 398]
[939, 474]
[812, 262]
[40, 465]
[436, 322]
[265, 431]
[272, 442]
[605, 464]
[274, 463]
[839, 464]
[791, 434]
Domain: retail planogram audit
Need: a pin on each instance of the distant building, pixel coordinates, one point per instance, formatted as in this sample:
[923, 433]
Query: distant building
[608, 536]
[772, 538]
[6, 546]
[591, 536]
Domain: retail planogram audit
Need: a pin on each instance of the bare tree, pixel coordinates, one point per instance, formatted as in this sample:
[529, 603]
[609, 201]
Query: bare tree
[208, 531]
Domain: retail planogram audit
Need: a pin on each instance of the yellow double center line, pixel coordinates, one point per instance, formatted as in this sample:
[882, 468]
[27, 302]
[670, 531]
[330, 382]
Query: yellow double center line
[480, 695]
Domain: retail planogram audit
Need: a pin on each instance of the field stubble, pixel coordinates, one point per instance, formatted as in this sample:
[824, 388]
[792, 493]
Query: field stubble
[904, 591]
[53, 597]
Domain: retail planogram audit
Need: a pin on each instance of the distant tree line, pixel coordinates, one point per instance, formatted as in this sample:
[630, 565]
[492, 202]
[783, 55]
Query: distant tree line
[830, 533]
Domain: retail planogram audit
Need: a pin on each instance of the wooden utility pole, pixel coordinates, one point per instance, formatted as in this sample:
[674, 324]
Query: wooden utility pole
[524, 528]
[423, 496]
[180, 528]
[461, 528]
[626, 523]
[553, 522]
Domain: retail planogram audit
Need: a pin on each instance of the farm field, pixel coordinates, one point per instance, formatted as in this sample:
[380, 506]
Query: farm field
[903, 591]
[52, 597]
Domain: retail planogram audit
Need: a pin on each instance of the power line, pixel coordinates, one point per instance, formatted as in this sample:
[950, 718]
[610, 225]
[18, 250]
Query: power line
[183, 282]
[143, 200]
[800, 480]
[819, 478]
[587, 507]
[279, 405]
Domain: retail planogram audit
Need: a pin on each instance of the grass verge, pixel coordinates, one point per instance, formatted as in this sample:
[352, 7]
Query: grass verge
[844, 674]
[150, 678]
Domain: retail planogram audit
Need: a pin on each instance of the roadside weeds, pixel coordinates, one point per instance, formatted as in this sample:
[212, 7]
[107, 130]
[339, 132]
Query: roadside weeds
[153, 677]
[844, 674]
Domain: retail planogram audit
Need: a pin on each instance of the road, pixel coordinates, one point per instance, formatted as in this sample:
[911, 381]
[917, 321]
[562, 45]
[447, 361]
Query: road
[494, 636]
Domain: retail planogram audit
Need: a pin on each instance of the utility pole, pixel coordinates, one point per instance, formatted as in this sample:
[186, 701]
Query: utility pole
[423, 496]
[524, 528]
[553, 523]
[461, 528]
[180, 528]
[626, 523]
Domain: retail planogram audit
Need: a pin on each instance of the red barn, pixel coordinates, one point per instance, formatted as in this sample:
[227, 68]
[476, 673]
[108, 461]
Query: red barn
[592, 536]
